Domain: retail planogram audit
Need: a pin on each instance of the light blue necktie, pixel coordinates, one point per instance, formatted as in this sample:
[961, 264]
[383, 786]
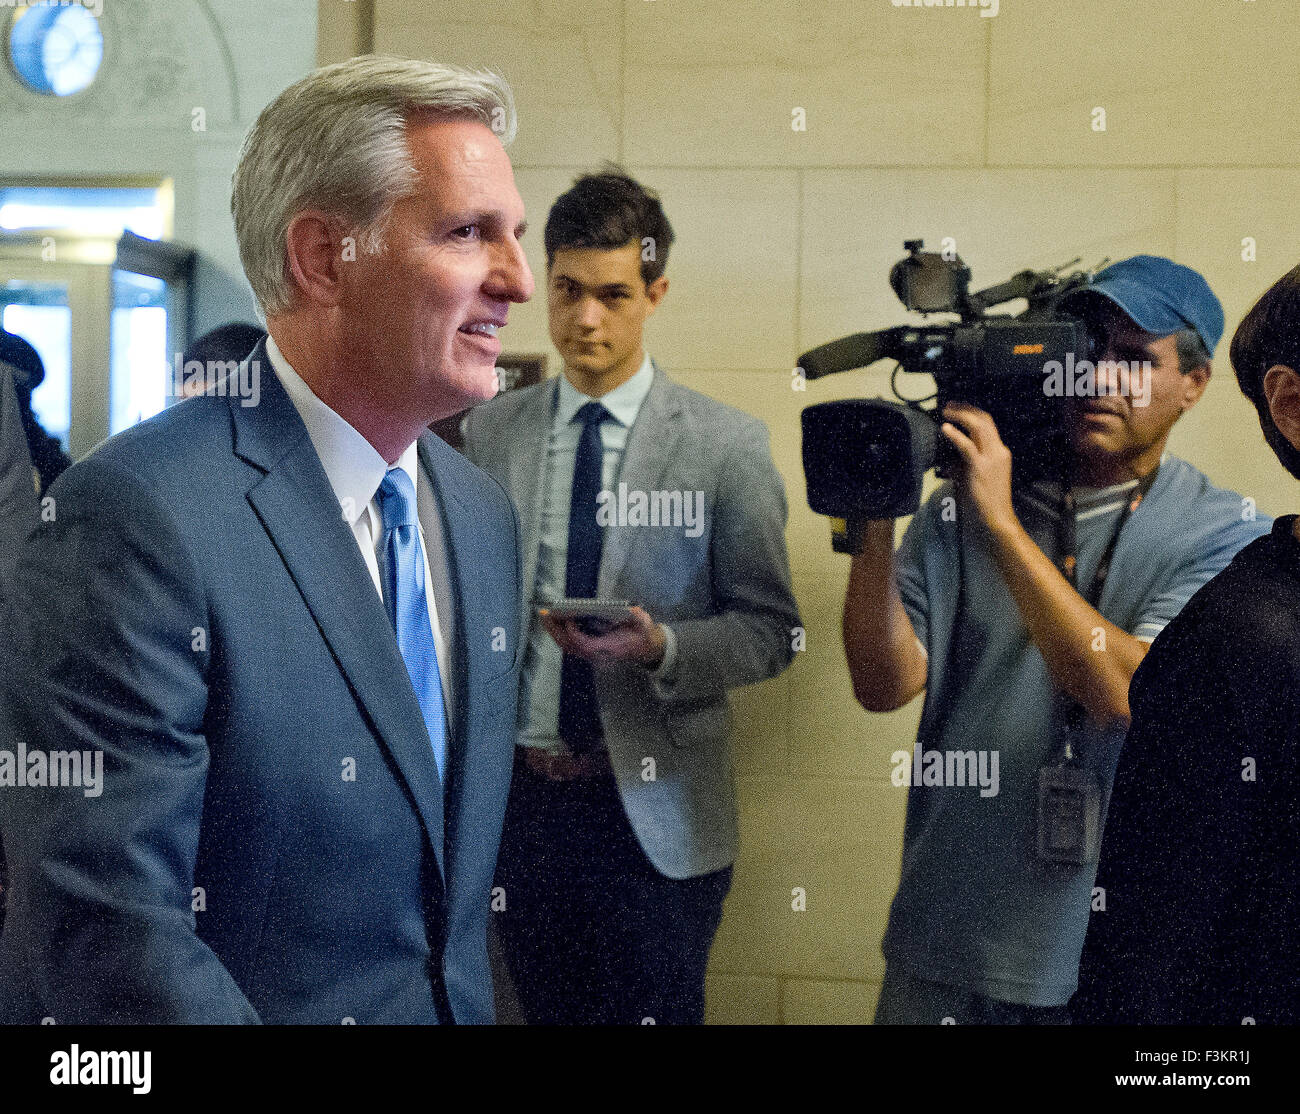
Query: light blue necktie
[408, 609]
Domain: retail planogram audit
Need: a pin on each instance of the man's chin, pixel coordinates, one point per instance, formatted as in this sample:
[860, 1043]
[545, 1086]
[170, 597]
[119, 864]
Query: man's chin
[1100, 435]
[586, 363]
[1094, 446]
[467, 393]
[1099, 453]
[487, 385]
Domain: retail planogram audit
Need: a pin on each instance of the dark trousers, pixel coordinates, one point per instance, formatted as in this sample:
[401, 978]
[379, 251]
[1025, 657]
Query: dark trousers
[592, 933]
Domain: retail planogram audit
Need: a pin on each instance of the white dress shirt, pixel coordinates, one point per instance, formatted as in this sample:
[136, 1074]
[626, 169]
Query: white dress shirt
[355, 470]
[540, 707]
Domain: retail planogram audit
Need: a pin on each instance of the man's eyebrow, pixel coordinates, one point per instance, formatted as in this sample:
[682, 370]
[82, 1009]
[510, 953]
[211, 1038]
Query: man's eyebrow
[1134, 344]
[605, 288]
[1137, 349]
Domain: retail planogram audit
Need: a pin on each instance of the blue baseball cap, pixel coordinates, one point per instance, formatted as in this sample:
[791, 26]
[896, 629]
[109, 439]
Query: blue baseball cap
[1161, 296]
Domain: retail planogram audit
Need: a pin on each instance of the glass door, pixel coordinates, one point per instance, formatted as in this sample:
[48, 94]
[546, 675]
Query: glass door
[109, 318]
[150, 327]
[104, 303]
[60, 309]
[39, 313]
[138, 379]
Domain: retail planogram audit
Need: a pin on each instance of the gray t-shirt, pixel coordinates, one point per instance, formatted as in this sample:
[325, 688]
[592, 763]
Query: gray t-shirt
[975, 906]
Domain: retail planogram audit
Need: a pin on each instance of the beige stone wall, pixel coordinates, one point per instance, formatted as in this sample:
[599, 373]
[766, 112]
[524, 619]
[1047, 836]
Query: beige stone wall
[920, 122]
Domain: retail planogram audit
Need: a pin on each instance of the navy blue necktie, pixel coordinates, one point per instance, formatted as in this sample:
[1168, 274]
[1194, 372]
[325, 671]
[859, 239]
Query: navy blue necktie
[579, 711]
[402, 574]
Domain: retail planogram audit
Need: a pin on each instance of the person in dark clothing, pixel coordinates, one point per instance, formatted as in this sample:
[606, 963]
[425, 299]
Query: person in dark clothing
[17, 512]
[17, 483]
[47, 455]
[224, 347]
[1197, 920]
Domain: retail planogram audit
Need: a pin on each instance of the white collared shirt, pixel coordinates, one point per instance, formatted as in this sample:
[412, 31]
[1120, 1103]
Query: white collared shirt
[540, 706]
[355, 470]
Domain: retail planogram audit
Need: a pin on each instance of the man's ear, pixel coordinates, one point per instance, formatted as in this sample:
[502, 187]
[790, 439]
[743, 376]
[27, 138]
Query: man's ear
[1282, 391]
[314, 256]
[1194, 383]
[655, 291]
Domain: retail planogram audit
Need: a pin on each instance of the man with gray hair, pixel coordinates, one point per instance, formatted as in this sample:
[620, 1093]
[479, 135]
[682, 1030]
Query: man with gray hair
[290, 627]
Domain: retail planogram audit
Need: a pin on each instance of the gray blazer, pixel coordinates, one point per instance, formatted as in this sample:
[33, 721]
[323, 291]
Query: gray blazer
[725, 594]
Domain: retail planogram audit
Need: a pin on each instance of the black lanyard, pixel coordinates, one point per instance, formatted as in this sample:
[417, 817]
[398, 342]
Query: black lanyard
[1072, 714]
[1067, 561]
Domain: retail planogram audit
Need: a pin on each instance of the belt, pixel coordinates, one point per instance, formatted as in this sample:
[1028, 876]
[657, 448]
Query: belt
[567, 765]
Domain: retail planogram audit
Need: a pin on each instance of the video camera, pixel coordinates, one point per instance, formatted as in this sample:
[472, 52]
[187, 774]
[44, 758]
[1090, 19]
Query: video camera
[865, 458]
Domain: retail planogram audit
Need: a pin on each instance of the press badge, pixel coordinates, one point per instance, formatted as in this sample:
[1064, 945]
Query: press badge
[1069, 814]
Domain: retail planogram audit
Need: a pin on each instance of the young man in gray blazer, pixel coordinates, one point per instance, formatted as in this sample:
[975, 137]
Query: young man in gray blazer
[621, 827]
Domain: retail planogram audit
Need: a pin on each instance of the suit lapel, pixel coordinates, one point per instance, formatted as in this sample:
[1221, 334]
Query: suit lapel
[299, 511]
[651, 445]
[527, 472]
[458, 532]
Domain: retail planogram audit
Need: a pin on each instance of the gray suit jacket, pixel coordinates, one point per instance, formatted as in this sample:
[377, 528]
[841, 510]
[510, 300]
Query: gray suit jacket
[725, 594]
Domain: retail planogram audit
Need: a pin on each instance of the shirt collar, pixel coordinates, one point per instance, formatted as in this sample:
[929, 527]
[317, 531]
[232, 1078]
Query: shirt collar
[352, 466]
[623, 402]
[1091, 495]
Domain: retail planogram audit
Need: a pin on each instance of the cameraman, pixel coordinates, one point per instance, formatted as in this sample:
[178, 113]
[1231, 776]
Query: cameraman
[1024, 614]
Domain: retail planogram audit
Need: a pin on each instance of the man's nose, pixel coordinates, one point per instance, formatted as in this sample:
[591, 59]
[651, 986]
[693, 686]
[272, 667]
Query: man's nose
[1108, 374]
[589, 313]
[511, 273]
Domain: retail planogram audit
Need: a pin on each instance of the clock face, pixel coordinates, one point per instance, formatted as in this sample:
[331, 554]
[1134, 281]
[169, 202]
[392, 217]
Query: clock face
[56, 50]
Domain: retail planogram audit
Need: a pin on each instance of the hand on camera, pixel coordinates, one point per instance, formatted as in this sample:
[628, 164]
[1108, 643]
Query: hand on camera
[986, 471]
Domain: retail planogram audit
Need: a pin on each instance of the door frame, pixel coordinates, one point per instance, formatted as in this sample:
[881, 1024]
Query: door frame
[85, 264]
